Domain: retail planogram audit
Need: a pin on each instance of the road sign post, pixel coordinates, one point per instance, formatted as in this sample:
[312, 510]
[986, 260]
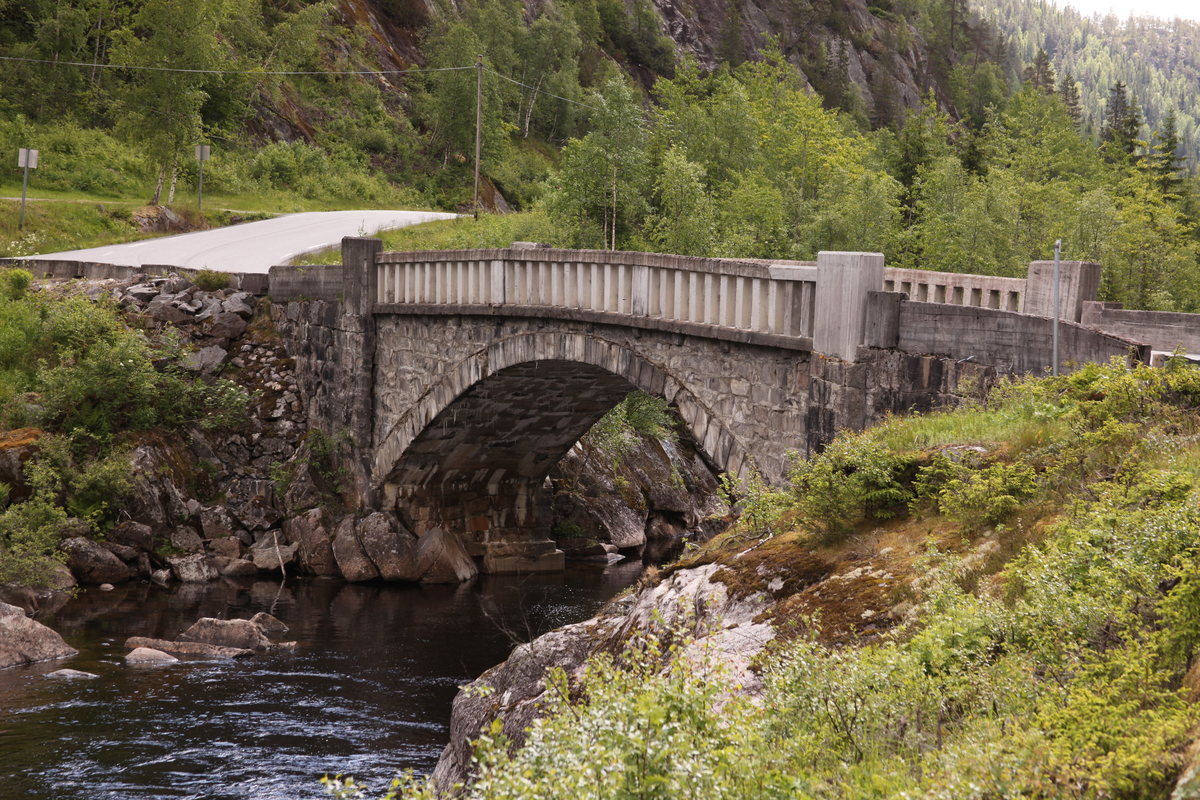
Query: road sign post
[202, 154]
[29, 160]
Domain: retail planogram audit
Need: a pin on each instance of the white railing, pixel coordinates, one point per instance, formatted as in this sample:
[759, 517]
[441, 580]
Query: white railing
[959, 289]
[729, 294]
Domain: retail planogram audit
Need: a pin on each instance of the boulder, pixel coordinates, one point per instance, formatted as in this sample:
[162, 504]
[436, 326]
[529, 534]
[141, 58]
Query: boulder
[259, 512]
[441, 558]
[158, 499]
[187, 540]
[148, 655]
[218, 522]
[267, 556]
[24, 641]
[352, 560]
[391, 548]
[16, 448]
[311, 532]
[237, 568]
[69, 674]
[229, 547]
[124, 552]
[197, 649]
[206, 359]
[161, 577]
[142, 292]
[225, 326]
[268, 624]
[238, 304]
[91, 563]
[192, 569]
[164, 308]
[239, 633]
[133, 534]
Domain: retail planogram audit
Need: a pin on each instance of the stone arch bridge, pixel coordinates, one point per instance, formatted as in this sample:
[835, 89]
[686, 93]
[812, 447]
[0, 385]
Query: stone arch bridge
[465, 376]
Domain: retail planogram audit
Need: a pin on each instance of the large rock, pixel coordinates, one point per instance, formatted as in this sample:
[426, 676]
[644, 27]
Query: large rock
[91, 563]
[236, 568]
[195, 649]
[16, 449]
[259, 512]
[187, 540]
[311, 532]
[192, 569]
[391, 548]
[240, 633]
[225, 326]
[352, 560]
[268, 624]
[24, 641]
[158, 497]
[217, 522]
[206, 359]
[148, 655]
[229, 547]
[133, 534]
[239, 303]
[267, 556]
[441, 558]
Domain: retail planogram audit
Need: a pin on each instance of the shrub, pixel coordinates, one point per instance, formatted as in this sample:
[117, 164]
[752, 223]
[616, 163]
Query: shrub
[209, 280]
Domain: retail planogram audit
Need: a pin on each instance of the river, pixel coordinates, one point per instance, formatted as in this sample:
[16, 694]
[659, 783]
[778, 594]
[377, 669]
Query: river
[367, 693]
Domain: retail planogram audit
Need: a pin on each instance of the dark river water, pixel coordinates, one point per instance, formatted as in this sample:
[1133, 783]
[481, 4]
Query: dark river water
[368, 692]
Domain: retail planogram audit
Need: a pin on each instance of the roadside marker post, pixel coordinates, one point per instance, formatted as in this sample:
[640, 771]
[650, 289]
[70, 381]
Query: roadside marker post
[29, 160]
[202, 154]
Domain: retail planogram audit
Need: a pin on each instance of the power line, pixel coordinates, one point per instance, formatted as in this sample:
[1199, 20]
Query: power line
[234, 71]
[542, 91]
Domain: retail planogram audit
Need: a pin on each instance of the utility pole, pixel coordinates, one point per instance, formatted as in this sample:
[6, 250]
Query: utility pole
[1057, 253]
[202, 153]
[478, 125]
[27, 159]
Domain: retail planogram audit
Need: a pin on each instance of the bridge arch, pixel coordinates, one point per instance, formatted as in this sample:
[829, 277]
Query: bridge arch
[473, 452]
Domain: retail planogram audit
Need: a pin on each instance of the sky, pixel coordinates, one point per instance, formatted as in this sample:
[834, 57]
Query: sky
[1167, 9]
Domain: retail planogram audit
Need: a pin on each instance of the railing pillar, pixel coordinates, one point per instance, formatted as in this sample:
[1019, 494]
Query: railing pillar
[843, 281]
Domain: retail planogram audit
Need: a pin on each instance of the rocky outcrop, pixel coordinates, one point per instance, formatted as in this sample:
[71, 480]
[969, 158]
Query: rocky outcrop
[239, 633]
[148, 655]
[659, 489]
[311, 532]
[24, 641]
[721, 625]
[220, 638]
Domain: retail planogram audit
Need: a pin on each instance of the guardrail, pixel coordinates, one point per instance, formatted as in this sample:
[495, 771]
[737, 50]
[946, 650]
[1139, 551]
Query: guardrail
[724, 293]
[957, 289]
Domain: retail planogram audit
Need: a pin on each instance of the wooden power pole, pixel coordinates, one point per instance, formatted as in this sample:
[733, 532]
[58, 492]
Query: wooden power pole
[478, 125]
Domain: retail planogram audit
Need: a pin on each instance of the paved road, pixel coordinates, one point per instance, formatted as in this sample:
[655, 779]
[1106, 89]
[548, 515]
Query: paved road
[251, 246]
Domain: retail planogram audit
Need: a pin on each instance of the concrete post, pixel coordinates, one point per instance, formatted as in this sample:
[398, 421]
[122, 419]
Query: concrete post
[1079, 282]
[359, 276]
[843, 282]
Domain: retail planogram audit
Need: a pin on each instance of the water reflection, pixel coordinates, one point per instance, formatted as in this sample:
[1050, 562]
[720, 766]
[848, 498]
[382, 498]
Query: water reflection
[368, 692]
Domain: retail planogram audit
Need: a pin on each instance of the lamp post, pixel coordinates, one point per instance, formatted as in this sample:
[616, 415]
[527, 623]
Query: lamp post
[29, 160]
[202, 154]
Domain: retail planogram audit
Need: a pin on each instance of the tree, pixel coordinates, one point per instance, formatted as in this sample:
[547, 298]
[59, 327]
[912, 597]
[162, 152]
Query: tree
[1122, 123]
[1068, 92]
[161, 110]
[686, 225]
[1040, 73]
[1165, 161]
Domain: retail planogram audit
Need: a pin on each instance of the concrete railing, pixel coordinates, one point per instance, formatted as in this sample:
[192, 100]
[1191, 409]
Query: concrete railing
[722, 293]
[952, 288]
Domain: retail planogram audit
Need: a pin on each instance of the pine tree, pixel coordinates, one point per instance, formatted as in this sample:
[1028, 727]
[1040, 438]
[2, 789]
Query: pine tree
[1122, 121]
[1165, 161]
[1068, 90]
[1040, 73]
[732, 49]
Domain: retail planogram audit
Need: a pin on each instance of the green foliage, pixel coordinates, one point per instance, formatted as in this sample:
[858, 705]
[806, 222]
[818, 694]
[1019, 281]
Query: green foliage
[974, 498]
[209, 280]
[853, 477]
[759, 506]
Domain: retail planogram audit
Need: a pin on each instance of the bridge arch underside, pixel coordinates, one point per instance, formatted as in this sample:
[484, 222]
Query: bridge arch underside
[472, 451]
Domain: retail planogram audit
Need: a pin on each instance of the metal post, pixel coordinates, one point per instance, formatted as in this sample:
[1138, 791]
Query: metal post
[1057, 254]
[478, 126]
[27, 158]
[202, 153]
[24, 186]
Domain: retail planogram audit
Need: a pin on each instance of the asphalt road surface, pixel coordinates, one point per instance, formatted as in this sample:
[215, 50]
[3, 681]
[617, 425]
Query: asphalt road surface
[251, 246]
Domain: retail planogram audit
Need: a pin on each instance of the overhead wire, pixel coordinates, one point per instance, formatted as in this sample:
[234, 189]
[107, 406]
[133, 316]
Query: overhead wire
[98, 65]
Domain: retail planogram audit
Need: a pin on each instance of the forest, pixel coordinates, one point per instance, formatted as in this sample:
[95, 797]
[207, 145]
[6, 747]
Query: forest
[604, 133]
